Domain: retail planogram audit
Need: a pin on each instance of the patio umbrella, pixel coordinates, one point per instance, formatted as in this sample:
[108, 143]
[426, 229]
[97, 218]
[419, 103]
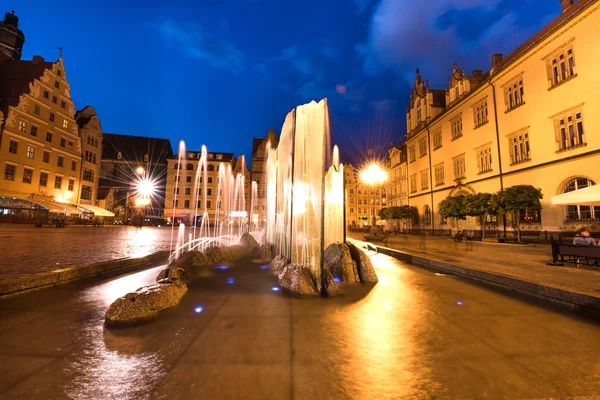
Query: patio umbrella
[589, 196]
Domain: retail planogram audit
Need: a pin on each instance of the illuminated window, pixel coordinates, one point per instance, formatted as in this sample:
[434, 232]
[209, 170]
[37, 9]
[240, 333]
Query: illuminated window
[30, 151]
[569, 130]
[439, 174]
[456, 127]
[9, 172]
[459, 167]
[514, 93]
[65, 123]
[27, 175]
[519, 148]
[560, 65]
[58, 182]
[424, 179]
[13, 146]
[43, 179]
[480, 114]
[437, 139]
[22, 126]
[484, 159]
[71, 185]
[423, 147]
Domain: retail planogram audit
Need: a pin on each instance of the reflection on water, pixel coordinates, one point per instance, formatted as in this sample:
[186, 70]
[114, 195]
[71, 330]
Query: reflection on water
[100, 373]
[141, 242]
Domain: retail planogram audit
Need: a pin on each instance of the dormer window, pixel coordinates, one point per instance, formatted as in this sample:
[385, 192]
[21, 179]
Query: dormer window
[146, 158]
[119, 156]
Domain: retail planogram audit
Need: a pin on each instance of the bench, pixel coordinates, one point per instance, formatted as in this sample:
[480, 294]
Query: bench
[573, 253]
[530, 236]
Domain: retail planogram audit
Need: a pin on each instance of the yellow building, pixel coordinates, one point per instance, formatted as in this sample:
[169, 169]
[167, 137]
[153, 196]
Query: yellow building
[397, 177]
[259, 174]
[90, 133]
[40, 150]
[181, 204]
[363, 201]
[531, 119]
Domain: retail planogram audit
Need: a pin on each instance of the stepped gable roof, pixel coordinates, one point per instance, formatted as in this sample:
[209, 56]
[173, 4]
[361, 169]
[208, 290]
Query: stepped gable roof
[134, 148]
[15, 77]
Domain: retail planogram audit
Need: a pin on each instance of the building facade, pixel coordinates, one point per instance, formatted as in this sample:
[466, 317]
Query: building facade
[531, 119]
[363, 202]
[90, 133]
[11, 37]
[40, 149]
[185, 206]
[397, 179]
[259, 174]
[127, 159]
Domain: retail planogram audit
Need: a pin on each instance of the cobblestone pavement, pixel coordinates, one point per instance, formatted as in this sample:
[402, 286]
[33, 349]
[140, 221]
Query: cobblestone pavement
[523, 262]
[28, 250]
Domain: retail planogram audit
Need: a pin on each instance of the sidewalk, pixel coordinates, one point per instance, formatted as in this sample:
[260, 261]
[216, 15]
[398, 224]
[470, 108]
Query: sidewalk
[525, 263]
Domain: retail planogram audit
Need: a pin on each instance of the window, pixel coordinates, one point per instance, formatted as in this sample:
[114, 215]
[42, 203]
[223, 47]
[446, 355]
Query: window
[51, 117]
[93, 158]
[88, 175]
[569, 131]
[561, 66]
[439, 174]
[61, 161]
[419, 115]
[480, 114]
[56, 84]
[413, 183]
[426, 214]
[22, 126]
[177, 178]
[49, 137]
[27, 175]
[30, 151]
[199, 203]
[65, 123]
[514, 94]
[219, 156]
[177, 166]
[86, 192]
[209, 205]
[9, 172]
[58, 72]
[456, 127]
[210, 167]
[176, 190]
[188, 190]
[63, 104]
[424, 179]
[175, 203]
[119, 156]
[529, 216]
[580, 213]
[36, 109]
[73, 165]
[352, 211]
[71, 184]
[54, 99]
[209, 192]
[423, 147]
[13, 146]
[63, 142]
[209, 179]
[411, 153]
[46, 94]
[186, 204]
[189, 167]
[188, 179]
[70, 144]
[459, 167]
[484, 159]
[46, 157]
[43, 179]
[34, 130]
[519, 148]
[437, 139]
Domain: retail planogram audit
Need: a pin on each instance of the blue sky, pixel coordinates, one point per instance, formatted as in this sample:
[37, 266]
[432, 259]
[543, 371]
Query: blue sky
[219, 72]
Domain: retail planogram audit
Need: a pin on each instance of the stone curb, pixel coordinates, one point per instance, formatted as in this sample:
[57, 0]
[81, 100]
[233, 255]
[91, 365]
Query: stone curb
[24, 283]
[579, 301]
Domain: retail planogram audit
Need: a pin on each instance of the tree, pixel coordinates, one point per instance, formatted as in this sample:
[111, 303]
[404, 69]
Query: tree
[382, 213]
[516, 198]
[453, 206]
[479, 205]
[397, 213]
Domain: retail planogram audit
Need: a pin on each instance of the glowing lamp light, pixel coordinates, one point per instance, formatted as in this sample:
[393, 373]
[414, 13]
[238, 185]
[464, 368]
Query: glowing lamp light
[142, 201]
[198, 309]
[373, 174]
[145, 187]
[140, 170]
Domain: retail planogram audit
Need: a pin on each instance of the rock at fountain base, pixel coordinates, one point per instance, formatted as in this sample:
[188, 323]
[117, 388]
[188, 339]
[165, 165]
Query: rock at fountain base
[298, 280]
[364, 266]
[265, 253]
[330, 286]
[145, 303]
[339, 261]
[248, 241]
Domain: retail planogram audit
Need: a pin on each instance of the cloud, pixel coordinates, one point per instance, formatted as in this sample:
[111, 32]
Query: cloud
[405, 34]
[362, 5]
[198, 44]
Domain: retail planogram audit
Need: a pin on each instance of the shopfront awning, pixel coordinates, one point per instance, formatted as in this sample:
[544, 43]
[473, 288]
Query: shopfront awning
[98, 211]
[56, 207]
[589, 196]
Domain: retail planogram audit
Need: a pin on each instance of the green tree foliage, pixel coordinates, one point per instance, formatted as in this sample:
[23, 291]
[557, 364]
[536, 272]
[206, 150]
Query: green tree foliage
[516, 198]
[398, 213]
[383, 214]
[453, 206]
[479, 205]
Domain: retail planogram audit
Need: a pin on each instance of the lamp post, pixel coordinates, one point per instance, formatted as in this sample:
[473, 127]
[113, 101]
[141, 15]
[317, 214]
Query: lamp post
[372, 175]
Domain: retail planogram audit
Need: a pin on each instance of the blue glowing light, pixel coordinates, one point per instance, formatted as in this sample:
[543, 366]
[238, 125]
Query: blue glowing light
[222, 267]
[275, 288]
[230, 281]
[336, 279]
[264, 267]
[198, 309]
[460, 303]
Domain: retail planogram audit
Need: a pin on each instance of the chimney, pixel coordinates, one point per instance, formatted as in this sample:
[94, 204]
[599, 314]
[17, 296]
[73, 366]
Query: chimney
[496, 58]
[37, 60]
[566, 4]
[477, 73]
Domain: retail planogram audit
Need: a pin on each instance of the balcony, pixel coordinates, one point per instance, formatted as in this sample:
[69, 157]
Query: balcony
[519, 159]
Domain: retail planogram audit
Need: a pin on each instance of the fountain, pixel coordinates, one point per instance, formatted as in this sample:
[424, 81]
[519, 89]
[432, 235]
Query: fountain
[305, 230]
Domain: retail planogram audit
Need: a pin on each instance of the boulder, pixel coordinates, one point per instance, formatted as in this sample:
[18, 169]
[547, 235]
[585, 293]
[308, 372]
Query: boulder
[265, 252]
[298, 280]
[364, 266]
[145, 302]
[192, 263]
[248, 241]
[340, 263]
[279, 263]
[214, 254]
[330, 287]
[163, 274]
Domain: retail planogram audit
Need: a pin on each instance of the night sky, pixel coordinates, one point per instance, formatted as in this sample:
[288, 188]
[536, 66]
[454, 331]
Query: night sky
[219, 72]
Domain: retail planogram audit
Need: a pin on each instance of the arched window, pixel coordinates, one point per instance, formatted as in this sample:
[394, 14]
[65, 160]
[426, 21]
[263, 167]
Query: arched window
[189, 167]
[426, 214]
[177, 166]
[581, 213]
[210, 167]
[146, 158]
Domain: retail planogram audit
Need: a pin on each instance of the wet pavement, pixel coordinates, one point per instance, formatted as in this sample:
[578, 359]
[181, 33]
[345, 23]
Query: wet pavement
[27, 250]
[414, 335]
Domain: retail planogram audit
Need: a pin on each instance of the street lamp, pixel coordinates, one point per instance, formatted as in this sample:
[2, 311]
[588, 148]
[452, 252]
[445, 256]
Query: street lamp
[372, 175]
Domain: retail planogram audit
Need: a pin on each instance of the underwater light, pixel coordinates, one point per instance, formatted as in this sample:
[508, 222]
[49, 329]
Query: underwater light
[460, 303]
[336, 279]
[264, 267]
[275, 288]
[222, 267]
[230, 281]
[198, 309]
